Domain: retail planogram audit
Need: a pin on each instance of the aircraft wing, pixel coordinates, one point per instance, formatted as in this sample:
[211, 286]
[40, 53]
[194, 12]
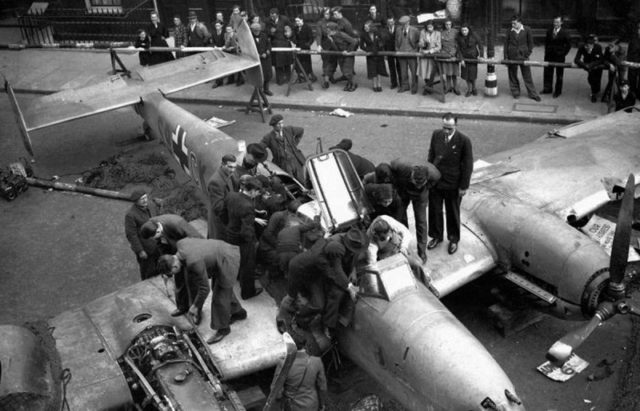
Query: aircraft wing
[571, 172]
[119, 91]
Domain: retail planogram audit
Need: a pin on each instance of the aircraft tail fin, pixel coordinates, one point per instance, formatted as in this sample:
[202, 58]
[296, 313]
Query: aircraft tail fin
[24, 131]
[247, 48]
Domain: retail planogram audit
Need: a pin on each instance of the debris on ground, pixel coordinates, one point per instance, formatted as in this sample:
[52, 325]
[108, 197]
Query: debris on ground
[341, 113]
[154, 172]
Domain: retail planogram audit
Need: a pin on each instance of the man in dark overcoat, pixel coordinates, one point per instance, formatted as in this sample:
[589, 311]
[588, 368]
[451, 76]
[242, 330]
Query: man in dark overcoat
[167, 230]
[283, 142]
[146, 250]
[263, 45]
[450, 151]
[556, 47]
[239, 230]
[195, 262]
[218, 186]
[304, 38]
[519, 46]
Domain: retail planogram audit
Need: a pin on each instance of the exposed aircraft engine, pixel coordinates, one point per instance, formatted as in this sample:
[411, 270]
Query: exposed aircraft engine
[166, 371]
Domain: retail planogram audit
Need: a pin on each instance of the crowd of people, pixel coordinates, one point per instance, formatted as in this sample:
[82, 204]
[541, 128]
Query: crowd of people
[444, 49]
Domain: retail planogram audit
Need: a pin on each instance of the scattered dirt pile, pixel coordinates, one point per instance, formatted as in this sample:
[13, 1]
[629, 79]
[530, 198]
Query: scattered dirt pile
[153, 171]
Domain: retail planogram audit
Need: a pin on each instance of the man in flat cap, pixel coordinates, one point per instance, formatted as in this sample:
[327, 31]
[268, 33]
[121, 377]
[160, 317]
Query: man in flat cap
[283, 142]
[239, 214]
[146, 250]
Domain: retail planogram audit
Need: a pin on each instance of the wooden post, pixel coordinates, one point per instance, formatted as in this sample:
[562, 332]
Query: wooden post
[298, 65]
[256, 103]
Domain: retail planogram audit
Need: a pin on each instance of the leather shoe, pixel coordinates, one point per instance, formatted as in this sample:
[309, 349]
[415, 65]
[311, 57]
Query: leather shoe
[453, 247]
[239, 316]
[219, 335]
[536, 98]
[268, 92]
[433, 244]
[177, 313]
[556, 95]
[256, 292]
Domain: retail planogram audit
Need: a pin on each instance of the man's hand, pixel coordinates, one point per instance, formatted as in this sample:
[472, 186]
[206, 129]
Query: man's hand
[261, 221]
[143, 255]
[461, 192]
[353, 291]
[194, 314]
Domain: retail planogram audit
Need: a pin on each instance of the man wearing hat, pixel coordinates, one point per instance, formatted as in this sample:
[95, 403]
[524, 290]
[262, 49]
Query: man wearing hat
[263, 45]
[361, 164]
[344, 25]
[239, 215]
[623, 99]
[591, 58]
[146, 250]
[407, 40]
[192, 265]
[197, 33]
[451, 152]
[412, 183]
[218, 186]
[283, 142]
[167, 230]
[324, 272]
[255, 154]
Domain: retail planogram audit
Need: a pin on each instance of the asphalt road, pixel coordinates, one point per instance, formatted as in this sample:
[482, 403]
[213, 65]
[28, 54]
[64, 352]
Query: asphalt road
[60, 250]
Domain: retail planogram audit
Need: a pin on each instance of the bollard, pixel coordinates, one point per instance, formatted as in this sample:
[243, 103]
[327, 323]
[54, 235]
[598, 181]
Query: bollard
[491, 82]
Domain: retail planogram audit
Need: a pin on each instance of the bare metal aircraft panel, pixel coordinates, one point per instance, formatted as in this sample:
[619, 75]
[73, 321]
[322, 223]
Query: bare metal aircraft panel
[557, 173]
[118, 92]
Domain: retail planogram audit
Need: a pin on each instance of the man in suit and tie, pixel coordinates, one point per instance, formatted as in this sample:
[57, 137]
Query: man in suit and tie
[450, 151]
[556, 47]
[389, 36]
[407, 39]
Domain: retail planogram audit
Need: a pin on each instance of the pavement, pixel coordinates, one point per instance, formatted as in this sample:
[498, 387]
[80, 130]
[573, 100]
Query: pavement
[50, 70]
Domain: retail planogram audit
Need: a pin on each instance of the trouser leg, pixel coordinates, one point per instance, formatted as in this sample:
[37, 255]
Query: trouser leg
[436, 220]
[528, 81]
[420, 212]
[404, 66]
[182, 293]
[514, 84]
[559, 79]
[333, 298]
[247, 269]
[221, 307]
[547, 79]
[452, 208]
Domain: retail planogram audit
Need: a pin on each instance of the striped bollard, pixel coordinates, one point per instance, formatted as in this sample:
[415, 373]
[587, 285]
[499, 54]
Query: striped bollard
[491, 82]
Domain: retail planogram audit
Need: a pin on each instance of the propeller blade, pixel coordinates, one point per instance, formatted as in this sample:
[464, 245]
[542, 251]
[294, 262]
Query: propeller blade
[562, 349]
[620, 246]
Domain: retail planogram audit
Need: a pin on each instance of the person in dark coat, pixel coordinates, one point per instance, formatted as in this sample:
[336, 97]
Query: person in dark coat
[190, 277]
[450, 151]
[303, 38]
[275, 27]
[263, 45]
[519, 46]
[469, 47]
[557, 44]
[180, 37]
[305, 387]
[341, 41]
[623, 99]
[158, 34]
[167, 230]
[218, 186]
[329, 63]
[344, 25]
[248, 163]
[389, 35]
[385, 201]
[239, 214]
[217, 40]
[590, 57]
[372, 41]
[324, 272]
[633, 56]
[283, 142]
[377, 21]
[267, 247]
[614, 55]
[146, 250]
[361, 164]
[143, 42]
[194, 263]
[412, 183]
[197, 33]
